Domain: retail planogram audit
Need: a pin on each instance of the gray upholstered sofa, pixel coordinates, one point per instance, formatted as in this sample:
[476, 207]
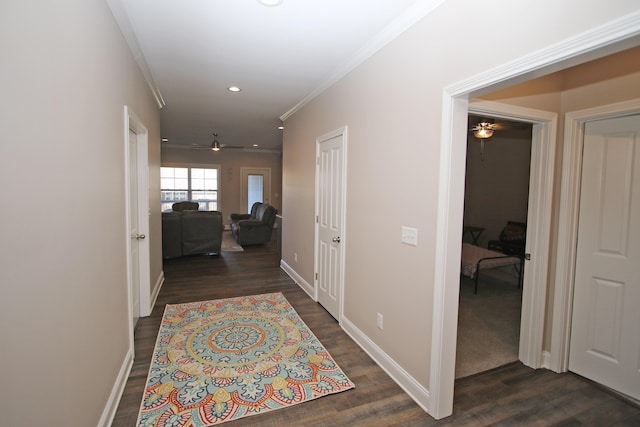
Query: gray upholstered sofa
[256, 227]
[188, 231]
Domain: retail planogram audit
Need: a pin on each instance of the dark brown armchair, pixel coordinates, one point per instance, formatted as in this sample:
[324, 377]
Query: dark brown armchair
[254, 228]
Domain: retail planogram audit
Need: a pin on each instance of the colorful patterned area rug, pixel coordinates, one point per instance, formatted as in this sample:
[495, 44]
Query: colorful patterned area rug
[217, 361]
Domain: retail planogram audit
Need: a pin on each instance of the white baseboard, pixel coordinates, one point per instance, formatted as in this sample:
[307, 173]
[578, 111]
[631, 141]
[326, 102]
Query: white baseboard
[155, 292]
[409, 384]
[109, 411]
[298, 279]
[546, 360]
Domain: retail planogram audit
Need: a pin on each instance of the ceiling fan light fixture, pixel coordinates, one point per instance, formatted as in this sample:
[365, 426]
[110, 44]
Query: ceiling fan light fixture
[483, 130]
[215, 145]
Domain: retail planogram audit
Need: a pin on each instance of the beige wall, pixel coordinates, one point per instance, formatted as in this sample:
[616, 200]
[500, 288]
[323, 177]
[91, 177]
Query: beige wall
[66, 76]
[231, 161]
[392, 106]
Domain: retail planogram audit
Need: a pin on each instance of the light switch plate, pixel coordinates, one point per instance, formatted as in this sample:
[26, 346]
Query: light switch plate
[409, 236]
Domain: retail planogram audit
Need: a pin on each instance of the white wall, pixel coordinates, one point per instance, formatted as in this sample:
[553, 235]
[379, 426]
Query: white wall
[392, 106]
[66, 76]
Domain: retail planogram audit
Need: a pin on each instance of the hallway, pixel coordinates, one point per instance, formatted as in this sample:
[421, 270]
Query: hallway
[512, 394]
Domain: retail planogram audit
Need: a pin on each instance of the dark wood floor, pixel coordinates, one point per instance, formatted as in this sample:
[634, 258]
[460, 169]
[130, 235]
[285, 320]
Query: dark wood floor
[507, 396]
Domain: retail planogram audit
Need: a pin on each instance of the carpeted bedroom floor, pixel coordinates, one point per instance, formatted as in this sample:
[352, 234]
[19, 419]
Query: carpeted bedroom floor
[489, 322]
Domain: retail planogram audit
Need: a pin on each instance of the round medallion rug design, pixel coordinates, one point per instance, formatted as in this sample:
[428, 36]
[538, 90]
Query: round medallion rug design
[216, 361]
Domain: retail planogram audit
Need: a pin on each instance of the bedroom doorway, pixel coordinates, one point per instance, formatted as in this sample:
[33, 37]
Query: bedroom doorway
[538, 221]
[496, 194]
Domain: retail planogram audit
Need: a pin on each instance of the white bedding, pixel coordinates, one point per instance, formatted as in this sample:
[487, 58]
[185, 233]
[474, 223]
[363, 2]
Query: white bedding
[472, 254]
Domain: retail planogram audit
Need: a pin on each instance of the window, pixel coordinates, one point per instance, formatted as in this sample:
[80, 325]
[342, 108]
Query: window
[178, 184]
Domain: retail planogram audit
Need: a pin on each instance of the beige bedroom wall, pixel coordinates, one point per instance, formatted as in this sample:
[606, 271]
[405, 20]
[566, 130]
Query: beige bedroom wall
[392, 106]
[67, 74]
[231, 162]
[497, 182]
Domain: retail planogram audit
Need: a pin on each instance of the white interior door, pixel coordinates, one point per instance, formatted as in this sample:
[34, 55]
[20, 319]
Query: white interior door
[256, 186]
[330, 222]
[605, 343]
[134, 252]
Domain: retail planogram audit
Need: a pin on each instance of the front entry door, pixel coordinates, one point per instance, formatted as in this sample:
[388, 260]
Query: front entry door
[256, 186]
[330, 221]
[605, 343]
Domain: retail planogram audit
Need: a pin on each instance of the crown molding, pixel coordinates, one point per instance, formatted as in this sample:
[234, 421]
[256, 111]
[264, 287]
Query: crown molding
[406, 20]
[606, 39]
[121, 17]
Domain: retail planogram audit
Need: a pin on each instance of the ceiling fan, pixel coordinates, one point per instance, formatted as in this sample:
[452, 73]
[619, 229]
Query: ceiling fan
[485, 128]
[486, 125]
[215, 145]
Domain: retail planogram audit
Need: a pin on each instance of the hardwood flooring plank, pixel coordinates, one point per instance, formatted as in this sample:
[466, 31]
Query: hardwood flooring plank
[507, 396]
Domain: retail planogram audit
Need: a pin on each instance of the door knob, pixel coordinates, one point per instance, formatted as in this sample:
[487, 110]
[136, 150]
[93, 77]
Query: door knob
[336, 239]
[140, 236]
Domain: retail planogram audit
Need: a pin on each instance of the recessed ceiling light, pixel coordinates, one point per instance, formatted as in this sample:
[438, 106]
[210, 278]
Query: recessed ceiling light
[255, 145]
[234, 89]
[281, 127]
[165, 140]
[270, 2]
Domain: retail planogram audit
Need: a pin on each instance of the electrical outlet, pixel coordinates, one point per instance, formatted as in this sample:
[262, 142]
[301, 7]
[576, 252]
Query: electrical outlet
[409, 236]
[379, 321]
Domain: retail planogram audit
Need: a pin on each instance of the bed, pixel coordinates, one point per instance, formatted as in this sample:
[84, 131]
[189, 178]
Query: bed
[475, 259]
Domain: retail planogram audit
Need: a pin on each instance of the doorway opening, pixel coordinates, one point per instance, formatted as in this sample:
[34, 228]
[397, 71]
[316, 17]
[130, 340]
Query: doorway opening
[496, 204]
[256, 186]
[255, 190]
[567, 53]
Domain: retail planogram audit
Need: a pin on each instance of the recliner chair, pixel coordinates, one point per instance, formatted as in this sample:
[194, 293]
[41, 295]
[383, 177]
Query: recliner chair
[254, 228]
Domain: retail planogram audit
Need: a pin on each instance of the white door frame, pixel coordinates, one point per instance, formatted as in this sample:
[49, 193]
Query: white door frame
[568, 223]
[597, 42]
[543, 148]
[343, 233]
[142, 142]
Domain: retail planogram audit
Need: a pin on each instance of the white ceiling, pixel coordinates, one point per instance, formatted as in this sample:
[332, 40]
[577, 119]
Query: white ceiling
[280, 56]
